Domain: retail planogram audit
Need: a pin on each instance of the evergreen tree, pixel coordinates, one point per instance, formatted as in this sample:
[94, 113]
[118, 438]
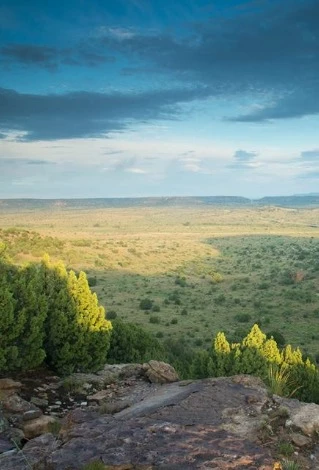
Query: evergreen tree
[255, 338]
[130, 343]
[201, 366]
[93, 328]
[77, 333]
[221, 356]
[290, 356]
[251, 360]
[31, 305]
[271, 352]
[10, 329]
[22, 312]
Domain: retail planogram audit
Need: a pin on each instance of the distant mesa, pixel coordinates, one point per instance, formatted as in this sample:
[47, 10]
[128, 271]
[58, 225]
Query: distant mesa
[301, 200]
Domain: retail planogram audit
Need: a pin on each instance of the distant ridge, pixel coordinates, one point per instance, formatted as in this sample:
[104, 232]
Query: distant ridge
[303, 200]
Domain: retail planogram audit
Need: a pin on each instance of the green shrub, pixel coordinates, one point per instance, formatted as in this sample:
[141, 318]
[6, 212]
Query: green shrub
[131, 343]
[278, 337]
[111, 315]
[243, 317]
[24, 309]
[92, 281]
[181, 281]
[146, 304]
[155, 319]
[216, 278]
[50, 313]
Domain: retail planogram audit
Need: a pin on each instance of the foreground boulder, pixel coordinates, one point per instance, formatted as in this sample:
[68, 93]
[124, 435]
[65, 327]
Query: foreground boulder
[38, 426]
[20, 420]
[9, 384]
[302, 416]
[160, 372]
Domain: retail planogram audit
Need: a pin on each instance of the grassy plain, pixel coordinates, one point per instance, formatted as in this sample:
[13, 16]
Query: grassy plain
[205, 269]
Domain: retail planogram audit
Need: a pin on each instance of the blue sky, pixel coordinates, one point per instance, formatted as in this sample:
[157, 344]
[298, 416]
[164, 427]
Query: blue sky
[116, 98]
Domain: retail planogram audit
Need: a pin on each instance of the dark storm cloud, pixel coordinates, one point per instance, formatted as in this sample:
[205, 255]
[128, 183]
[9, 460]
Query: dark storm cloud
[267, 53]
[87, 114]
[302, 101]
[30, 54]
[50, 57]
[272, 54]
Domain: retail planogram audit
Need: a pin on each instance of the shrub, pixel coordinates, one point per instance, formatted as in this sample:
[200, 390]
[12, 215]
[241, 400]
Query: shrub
[78, 335]
[24, 310]
[278, 337]
[216, 278]
[50, 313]
[155, 319]
[243, 317]
[181, 281]
[111, 315]
[146, 304]
[92, 281]
[130, 343]
[220, 299]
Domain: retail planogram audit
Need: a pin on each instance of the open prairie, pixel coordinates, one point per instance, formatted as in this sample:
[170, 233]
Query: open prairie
[187, 271]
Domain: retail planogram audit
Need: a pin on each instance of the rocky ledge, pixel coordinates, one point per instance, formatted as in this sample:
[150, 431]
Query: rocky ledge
[129, 422]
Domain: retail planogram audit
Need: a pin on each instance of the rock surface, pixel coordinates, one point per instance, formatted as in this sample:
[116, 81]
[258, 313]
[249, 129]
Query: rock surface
[160, 372]
[223, 423]
[302, 416]
[9, 384]
[38, 426]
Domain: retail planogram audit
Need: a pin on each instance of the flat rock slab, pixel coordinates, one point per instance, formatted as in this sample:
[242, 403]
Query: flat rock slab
[181, 426]
[166, 395]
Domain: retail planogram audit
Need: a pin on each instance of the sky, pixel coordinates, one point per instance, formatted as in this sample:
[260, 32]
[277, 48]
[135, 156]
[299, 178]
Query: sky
[132, 98]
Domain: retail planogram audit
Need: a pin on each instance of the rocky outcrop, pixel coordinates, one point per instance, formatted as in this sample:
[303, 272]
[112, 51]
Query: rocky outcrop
[302, 416]
[9, 384]
[108, 375]
[19, 418]
[223, 423]
[160, 372]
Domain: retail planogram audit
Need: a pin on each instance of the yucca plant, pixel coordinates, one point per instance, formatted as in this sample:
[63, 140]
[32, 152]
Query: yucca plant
[279, 380]
[290, 465]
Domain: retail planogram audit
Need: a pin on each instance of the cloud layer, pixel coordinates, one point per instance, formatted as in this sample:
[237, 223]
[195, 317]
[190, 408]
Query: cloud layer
[87, 114]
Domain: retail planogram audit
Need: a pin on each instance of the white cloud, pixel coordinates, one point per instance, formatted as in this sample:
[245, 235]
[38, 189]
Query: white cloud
[138, 171]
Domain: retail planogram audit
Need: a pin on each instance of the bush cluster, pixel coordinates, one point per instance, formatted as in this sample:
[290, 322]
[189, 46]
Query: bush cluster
[283, 369]
[50, 314]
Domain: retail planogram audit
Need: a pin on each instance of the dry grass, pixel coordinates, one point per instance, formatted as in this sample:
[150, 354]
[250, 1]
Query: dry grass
[138, 252]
